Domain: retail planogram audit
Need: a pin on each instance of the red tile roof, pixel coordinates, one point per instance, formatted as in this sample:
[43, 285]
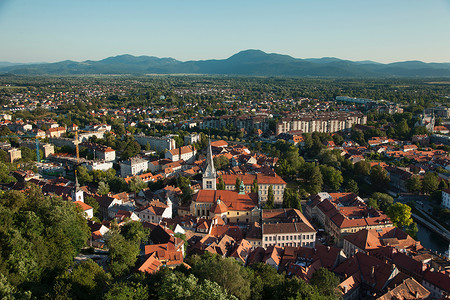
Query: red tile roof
[233, 200]
[151, 265]
[83, 205]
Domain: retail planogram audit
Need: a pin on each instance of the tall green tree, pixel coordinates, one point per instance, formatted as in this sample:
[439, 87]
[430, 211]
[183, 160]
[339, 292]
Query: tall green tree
[379, 178]
[226, 272]
[326, 282]
[237, 185]
[312, 178]
[84, 176]
[382, 200]
[255, 186]
[88, 280]
[414, 184]
[430, 182]
[362, 168]
[352, 186]
[400, 214]
[123, 254]
[331, 177]
[221, 184]
[136, 185]
[103, 188]
[127, 291]
[291, 199]
[270, 198]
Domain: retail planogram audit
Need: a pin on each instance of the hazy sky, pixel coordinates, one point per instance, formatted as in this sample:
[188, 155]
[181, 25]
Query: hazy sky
[382, 30]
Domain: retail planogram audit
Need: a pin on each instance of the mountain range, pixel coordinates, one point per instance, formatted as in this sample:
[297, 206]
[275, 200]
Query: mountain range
[248, 62]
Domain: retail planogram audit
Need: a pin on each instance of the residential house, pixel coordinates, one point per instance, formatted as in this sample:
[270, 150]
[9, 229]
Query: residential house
[133, 166]
[155, 211]
[288, 234]
[87, 209]
[344, 213]
[185, 153]
[366, 240]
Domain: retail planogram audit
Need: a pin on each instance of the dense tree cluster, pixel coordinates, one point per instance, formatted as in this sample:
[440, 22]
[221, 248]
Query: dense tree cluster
[39, 237]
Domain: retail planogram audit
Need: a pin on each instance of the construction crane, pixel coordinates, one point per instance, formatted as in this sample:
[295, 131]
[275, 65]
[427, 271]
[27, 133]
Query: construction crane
[38, 156]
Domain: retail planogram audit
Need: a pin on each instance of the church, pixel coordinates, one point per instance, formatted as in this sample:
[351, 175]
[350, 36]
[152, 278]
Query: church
[230, 206]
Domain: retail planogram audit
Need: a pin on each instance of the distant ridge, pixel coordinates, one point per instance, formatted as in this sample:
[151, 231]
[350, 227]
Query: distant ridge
[248, 62]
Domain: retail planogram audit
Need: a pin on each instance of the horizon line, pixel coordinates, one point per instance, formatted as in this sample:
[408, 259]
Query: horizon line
[169, 57]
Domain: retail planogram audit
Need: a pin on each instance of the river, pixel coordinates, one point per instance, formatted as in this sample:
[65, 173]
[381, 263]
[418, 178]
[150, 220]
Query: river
[431, 240]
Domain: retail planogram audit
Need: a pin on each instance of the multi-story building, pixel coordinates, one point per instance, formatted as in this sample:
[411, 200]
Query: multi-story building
[248, 123]
[14, 154]
[366, 240]
[288, 234]
[344, 213]
[55, 132]
[98, 165]
[156, 143]
[101, 152]
[446, 198]
[47, 149]
[133, 166]
[264, 182]
[328, 122]
[443, 112]
[286, 227]
[191, 138]
[186, 153]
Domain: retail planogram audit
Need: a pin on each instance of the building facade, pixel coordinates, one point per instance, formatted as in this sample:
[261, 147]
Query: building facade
[133, 166]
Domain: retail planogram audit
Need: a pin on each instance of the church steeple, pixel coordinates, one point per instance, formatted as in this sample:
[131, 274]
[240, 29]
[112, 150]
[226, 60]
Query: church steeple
[77, 193]
[209, 176]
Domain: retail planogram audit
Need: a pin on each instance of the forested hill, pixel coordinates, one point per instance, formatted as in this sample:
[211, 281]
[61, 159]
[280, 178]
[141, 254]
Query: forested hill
[248, 62]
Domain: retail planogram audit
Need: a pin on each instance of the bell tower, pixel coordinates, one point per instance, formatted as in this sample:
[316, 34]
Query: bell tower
[209, 176]
[77, 193]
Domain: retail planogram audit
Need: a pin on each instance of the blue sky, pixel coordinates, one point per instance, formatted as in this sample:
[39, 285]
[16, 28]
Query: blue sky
[382, 30]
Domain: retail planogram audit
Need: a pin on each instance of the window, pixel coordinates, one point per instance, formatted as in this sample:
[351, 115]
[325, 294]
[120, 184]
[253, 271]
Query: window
[279, 238]
[209, 184]
[266, 239]
[237, 213]
[270, 238]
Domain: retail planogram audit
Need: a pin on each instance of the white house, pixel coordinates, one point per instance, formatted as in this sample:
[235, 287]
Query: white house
[133, 166]
[186, 153]
[155, 211]
[88, 210]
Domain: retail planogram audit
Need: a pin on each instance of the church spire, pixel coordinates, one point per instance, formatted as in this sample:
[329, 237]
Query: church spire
[76, 188]
[209, 160]
[209, 176]
[77, 193]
